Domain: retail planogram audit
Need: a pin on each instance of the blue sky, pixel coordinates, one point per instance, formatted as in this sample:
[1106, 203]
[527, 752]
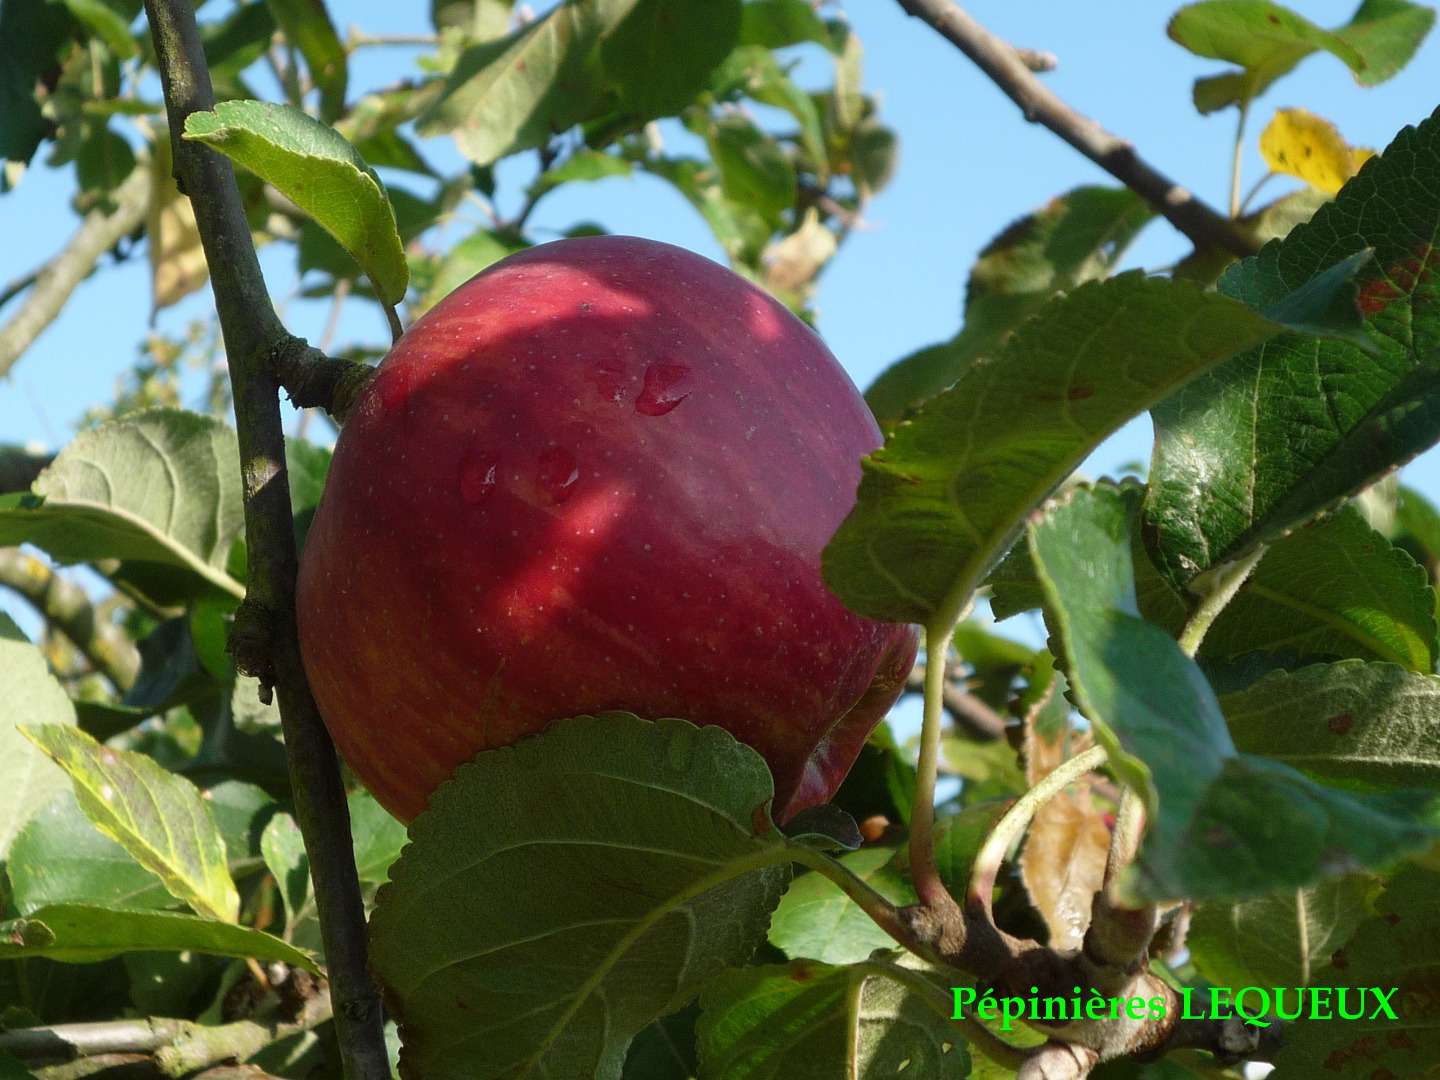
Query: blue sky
[969, 165]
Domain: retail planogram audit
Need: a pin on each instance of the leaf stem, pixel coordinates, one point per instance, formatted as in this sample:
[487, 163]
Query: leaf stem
[881, 911]
[1238, 157]
[1221, 589]
[1015, 820]
[928, 886]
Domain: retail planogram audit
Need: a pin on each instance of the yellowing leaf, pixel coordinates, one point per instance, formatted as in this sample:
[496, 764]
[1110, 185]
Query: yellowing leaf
[1298, 143]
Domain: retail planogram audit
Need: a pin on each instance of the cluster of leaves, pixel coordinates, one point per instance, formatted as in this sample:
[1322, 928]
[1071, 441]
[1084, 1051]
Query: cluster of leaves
[1285, 746]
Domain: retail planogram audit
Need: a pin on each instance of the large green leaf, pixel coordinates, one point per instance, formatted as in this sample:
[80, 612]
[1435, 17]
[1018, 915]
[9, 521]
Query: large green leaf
[1394, 948]
[161, 486]
[1333, 590]
[1263, 443]
[516, 93]
[307, 26]
[942, 500]
[661, 54]
[741, 229]
[1267, 40]
[85, 933]
[1348, 721]
[811, 1021]
[31, 696]
[1074, 238]
[59, 857]
[559, 895]
[157, 816]
[1221, 823]
[319, 171]
[1285, 939]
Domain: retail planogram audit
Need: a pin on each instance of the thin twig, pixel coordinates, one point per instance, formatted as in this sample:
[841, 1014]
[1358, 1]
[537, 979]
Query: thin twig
[999, 60]
[1238, 158]
[19, 285]
[66, 606]
[1008, 829]
[976, 716]
[266, 641]
[1222, 587]
[928, 885]
[57, 279]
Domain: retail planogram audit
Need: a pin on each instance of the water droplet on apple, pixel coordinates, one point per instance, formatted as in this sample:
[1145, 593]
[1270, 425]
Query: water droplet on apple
[610, 380]
[477, 479]
[557, 473]
[662, 389]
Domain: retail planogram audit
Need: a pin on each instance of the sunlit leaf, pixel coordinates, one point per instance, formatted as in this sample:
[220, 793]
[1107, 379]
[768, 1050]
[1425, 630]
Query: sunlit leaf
[157, 816]
[318, 170]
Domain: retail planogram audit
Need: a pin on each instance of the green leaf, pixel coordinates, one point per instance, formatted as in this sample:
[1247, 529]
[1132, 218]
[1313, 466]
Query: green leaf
[313, 166]
[32, 36]
[1393, 948]
[1075, 238]
[1267, 40]
[466, 259]
[32, 696]
[157, 816]
[1221, 823]
[816, 920]
[1228, 475]
[754, 171]
[825, 827]
[811, 1021]
[1281, 940]
[307, 26]
[1387, 33]
[583, 164]
[665, 1050]
[941, 501]
[378, 838]
[778, 24]
[516, 93]
[284, 852]
[739, 227]
[1349, 721]
[59, 857]
[1332, 590]
[570, 889]
[661, 54]
[753, 71]
[108, 24]
[84, 934]
[161, 486]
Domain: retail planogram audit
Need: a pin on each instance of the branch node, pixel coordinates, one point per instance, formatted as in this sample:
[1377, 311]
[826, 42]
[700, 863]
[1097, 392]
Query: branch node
[251, 645]
[314, 380]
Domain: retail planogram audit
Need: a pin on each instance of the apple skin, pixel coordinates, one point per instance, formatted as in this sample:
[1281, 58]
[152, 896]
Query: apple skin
[599, 475]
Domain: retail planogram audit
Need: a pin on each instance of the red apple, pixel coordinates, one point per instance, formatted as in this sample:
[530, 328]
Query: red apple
[597, 476]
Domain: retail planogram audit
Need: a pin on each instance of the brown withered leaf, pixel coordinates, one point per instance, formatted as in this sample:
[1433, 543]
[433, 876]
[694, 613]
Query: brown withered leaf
[1063, 863]
[177, 261]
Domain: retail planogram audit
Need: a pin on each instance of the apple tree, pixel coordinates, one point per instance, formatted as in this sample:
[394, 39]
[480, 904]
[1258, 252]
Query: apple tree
[614, 797]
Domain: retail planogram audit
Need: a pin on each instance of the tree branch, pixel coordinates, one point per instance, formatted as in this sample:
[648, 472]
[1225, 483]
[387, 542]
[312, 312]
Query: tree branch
[67, 607]
[266, 620]
[1205, 227]
[965, 708]
[56, 280]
